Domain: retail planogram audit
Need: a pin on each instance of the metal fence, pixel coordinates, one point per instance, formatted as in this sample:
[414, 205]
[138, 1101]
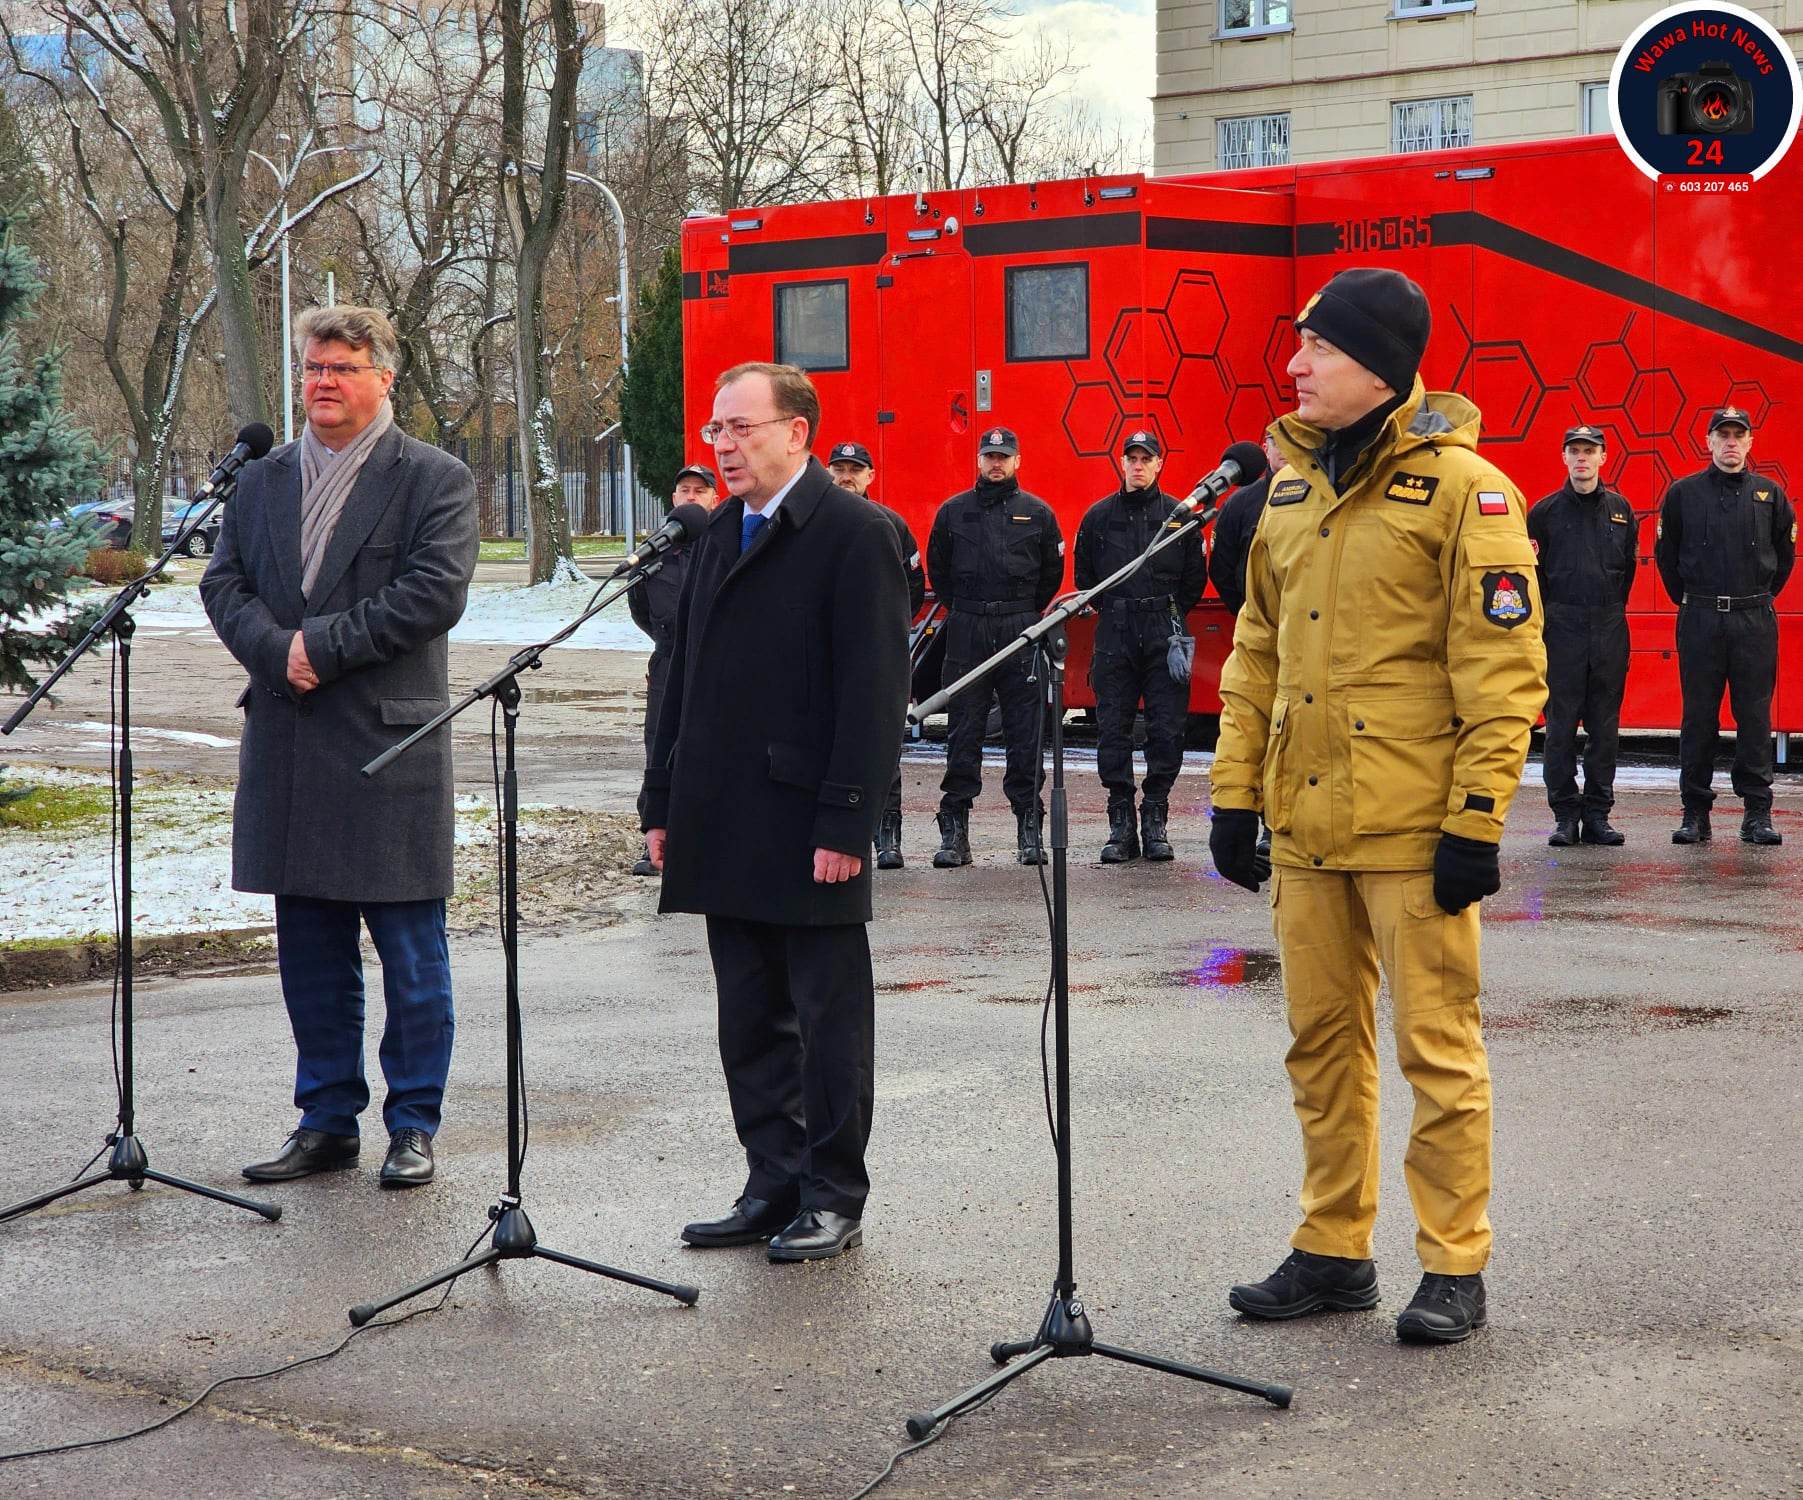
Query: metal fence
[594, 485]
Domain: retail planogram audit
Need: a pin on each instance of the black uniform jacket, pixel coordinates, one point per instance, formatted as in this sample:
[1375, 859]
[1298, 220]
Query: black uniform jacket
[995, 544]
[788, 685]
[910, 551]
[1722, 533]
[1114, 531]
[1233, 530]
[1587, 545]
[653, 600]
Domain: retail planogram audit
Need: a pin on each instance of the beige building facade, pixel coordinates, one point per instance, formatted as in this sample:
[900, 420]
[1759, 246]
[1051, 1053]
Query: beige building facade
[1245, 83]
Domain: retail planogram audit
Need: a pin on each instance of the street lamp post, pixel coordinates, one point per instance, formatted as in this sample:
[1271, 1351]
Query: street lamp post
[625, 321]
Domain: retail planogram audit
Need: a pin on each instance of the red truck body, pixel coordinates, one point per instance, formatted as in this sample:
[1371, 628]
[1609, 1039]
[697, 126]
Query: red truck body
[1565, 285]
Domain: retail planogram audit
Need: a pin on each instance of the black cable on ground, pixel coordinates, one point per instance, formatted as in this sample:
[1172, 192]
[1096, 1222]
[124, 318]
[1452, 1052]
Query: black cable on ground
[932, 1437]
[269, 1374]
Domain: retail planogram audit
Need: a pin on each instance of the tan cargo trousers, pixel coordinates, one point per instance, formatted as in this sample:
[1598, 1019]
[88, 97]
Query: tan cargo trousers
[1335, 929]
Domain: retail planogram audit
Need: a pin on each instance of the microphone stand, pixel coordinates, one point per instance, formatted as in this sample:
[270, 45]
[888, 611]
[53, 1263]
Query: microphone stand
[1064, 1331]
[513, 1237]
[128, 1162]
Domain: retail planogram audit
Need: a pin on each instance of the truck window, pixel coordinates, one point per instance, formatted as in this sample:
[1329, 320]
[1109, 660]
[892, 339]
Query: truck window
[1048, 312]
[811, 325]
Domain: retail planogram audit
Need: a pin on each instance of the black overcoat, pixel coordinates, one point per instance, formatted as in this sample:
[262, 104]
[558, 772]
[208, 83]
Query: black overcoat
[787, 690]
[394, 580]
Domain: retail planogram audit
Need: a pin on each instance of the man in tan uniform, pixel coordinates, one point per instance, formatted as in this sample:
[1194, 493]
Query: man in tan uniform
[1386, 670]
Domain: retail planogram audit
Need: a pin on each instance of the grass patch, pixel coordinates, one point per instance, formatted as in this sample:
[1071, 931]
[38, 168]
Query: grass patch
[39, 944]
[46, 807]
[583, 546]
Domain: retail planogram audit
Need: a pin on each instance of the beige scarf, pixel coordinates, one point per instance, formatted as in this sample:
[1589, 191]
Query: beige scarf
[326, 481]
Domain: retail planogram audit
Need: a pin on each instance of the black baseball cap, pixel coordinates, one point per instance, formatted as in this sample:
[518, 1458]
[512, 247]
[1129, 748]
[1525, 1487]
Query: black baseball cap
[850, 453]
[998, 440]
[1730, 416]
[1141, 437]
[699, 471]
[1585, 433]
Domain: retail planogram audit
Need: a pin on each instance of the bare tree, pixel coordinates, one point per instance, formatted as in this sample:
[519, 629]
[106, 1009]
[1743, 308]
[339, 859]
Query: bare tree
[1014, 99]
[880, 121]
[952, 45]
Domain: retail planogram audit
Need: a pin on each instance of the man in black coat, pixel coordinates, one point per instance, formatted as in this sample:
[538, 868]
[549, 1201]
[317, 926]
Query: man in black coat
[788, 686]
[1233, 529]
[852, 470]
[1726, 542]
[996, 557]
[653, 603]
[1131, 662]
[343, 562]
[1585, 539]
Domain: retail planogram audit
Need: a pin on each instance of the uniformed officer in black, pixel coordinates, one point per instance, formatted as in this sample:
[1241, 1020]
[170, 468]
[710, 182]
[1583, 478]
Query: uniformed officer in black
[1233, 528]
[1726, 541]
[1585, 536]
[996, 558]
[1135, 621]
[852, 470]
[653, 605]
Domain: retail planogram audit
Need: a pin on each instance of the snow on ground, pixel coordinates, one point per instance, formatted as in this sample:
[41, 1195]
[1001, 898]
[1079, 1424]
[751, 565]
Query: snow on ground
[507, 614]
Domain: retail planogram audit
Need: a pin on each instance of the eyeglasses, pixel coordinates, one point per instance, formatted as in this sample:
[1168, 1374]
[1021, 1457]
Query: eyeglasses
[738, 427]
[337, 372]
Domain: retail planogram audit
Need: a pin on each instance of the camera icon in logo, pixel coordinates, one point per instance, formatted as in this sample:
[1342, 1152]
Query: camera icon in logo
[1714, 100]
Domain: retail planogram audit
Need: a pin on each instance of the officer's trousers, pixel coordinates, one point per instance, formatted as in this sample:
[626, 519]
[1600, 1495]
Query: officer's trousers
[1336, 930]
[1736, 649]
[1122, 673]
[970, 640]
[1586, 674]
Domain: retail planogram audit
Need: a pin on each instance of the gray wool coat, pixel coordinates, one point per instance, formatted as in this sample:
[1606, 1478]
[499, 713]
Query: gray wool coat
[394, 580]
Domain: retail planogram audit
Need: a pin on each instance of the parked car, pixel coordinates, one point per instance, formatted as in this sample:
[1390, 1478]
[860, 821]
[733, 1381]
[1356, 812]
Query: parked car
[111, 517]
[202, 542]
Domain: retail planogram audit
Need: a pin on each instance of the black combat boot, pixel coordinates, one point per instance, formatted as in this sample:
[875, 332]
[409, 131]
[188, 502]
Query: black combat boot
[1565, 831]
[954, 840]
[1030, 826]
[1123, 838]
[1152, 819]
[888, 842]
[1695, 827]
[1756, 828]
[1597, 830]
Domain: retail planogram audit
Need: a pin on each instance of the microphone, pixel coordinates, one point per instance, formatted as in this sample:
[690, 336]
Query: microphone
[685, 524]
[254, 440]
[1241, 464]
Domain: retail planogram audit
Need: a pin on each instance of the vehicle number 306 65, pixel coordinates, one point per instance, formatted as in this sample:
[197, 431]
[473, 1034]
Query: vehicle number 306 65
[1393, 232]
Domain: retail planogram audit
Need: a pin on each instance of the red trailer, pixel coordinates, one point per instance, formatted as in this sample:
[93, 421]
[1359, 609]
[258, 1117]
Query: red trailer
[1565, 285]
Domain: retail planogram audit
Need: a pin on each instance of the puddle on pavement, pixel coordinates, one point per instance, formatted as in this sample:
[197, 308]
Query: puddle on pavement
[909, 986]
[1597, 1012]
[585, 697]
[1223, 967]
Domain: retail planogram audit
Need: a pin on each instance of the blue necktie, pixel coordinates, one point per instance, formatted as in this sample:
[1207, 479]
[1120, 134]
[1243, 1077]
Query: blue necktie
[749, 527]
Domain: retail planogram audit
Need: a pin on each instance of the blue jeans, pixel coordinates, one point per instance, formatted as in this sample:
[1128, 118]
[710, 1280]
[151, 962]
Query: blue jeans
[322, 984]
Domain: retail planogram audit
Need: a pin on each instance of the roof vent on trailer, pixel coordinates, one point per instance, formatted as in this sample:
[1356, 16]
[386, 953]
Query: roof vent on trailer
[1473, 174]
[747, 224]
[1125, 190]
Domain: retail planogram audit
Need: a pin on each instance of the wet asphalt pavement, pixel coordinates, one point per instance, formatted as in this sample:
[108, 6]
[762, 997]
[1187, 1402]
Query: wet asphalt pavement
[1646, 1330]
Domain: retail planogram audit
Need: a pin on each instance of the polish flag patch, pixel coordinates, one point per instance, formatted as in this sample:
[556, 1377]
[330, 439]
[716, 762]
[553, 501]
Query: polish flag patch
[1492, 503]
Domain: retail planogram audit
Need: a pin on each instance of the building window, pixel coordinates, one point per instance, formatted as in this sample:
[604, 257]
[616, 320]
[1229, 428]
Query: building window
[1593, 109]
[1431, 124]
[1253, 141]
[1241, 16]
[811, 325]
[1048, 312]
[1431, 7]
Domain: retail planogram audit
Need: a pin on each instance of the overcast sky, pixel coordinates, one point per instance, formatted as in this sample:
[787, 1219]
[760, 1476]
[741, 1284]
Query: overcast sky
[1114, 40]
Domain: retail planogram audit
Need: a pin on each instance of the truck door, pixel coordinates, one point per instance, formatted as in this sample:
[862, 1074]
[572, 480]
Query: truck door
[927, 402]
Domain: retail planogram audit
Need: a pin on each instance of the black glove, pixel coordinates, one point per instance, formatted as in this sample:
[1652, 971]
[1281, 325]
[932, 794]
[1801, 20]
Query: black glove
[1233, 842]
[1465, 870]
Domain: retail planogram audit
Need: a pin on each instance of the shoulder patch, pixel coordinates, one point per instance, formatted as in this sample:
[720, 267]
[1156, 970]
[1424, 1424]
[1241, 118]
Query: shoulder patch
[1290, 492]
[1412, 489]
[1492, 503]
[1506, 599]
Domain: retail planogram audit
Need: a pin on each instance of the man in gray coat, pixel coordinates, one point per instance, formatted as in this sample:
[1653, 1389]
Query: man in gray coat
[343, 561]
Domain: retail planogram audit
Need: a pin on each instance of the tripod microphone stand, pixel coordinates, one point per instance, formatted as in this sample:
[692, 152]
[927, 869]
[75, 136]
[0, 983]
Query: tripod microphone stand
[513, 1237]
[128, 1161]
[1065, 1331]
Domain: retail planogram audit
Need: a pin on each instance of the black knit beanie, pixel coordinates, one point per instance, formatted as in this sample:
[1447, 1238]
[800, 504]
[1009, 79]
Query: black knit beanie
[1379, 317]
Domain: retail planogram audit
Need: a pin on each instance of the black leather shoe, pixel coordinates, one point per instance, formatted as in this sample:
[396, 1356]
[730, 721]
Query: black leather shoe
[1029, 836]
[954, 841]
[1757, 828]
[1565, 833]
[306, 1152]
[1307, 1283]
[643, 866]
[751, 1222]
[1123, 837]
[1693, 830]
[1444, 1311]
[889, 842]
[817, 1234]
[1597, 830]
[409, 1160]
[1154, 819]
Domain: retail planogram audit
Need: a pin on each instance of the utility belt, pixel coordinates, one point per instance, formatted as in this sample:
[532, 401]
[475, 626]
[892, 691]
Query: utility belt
[1149, 602]
[992, 607]
[1727, 603]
